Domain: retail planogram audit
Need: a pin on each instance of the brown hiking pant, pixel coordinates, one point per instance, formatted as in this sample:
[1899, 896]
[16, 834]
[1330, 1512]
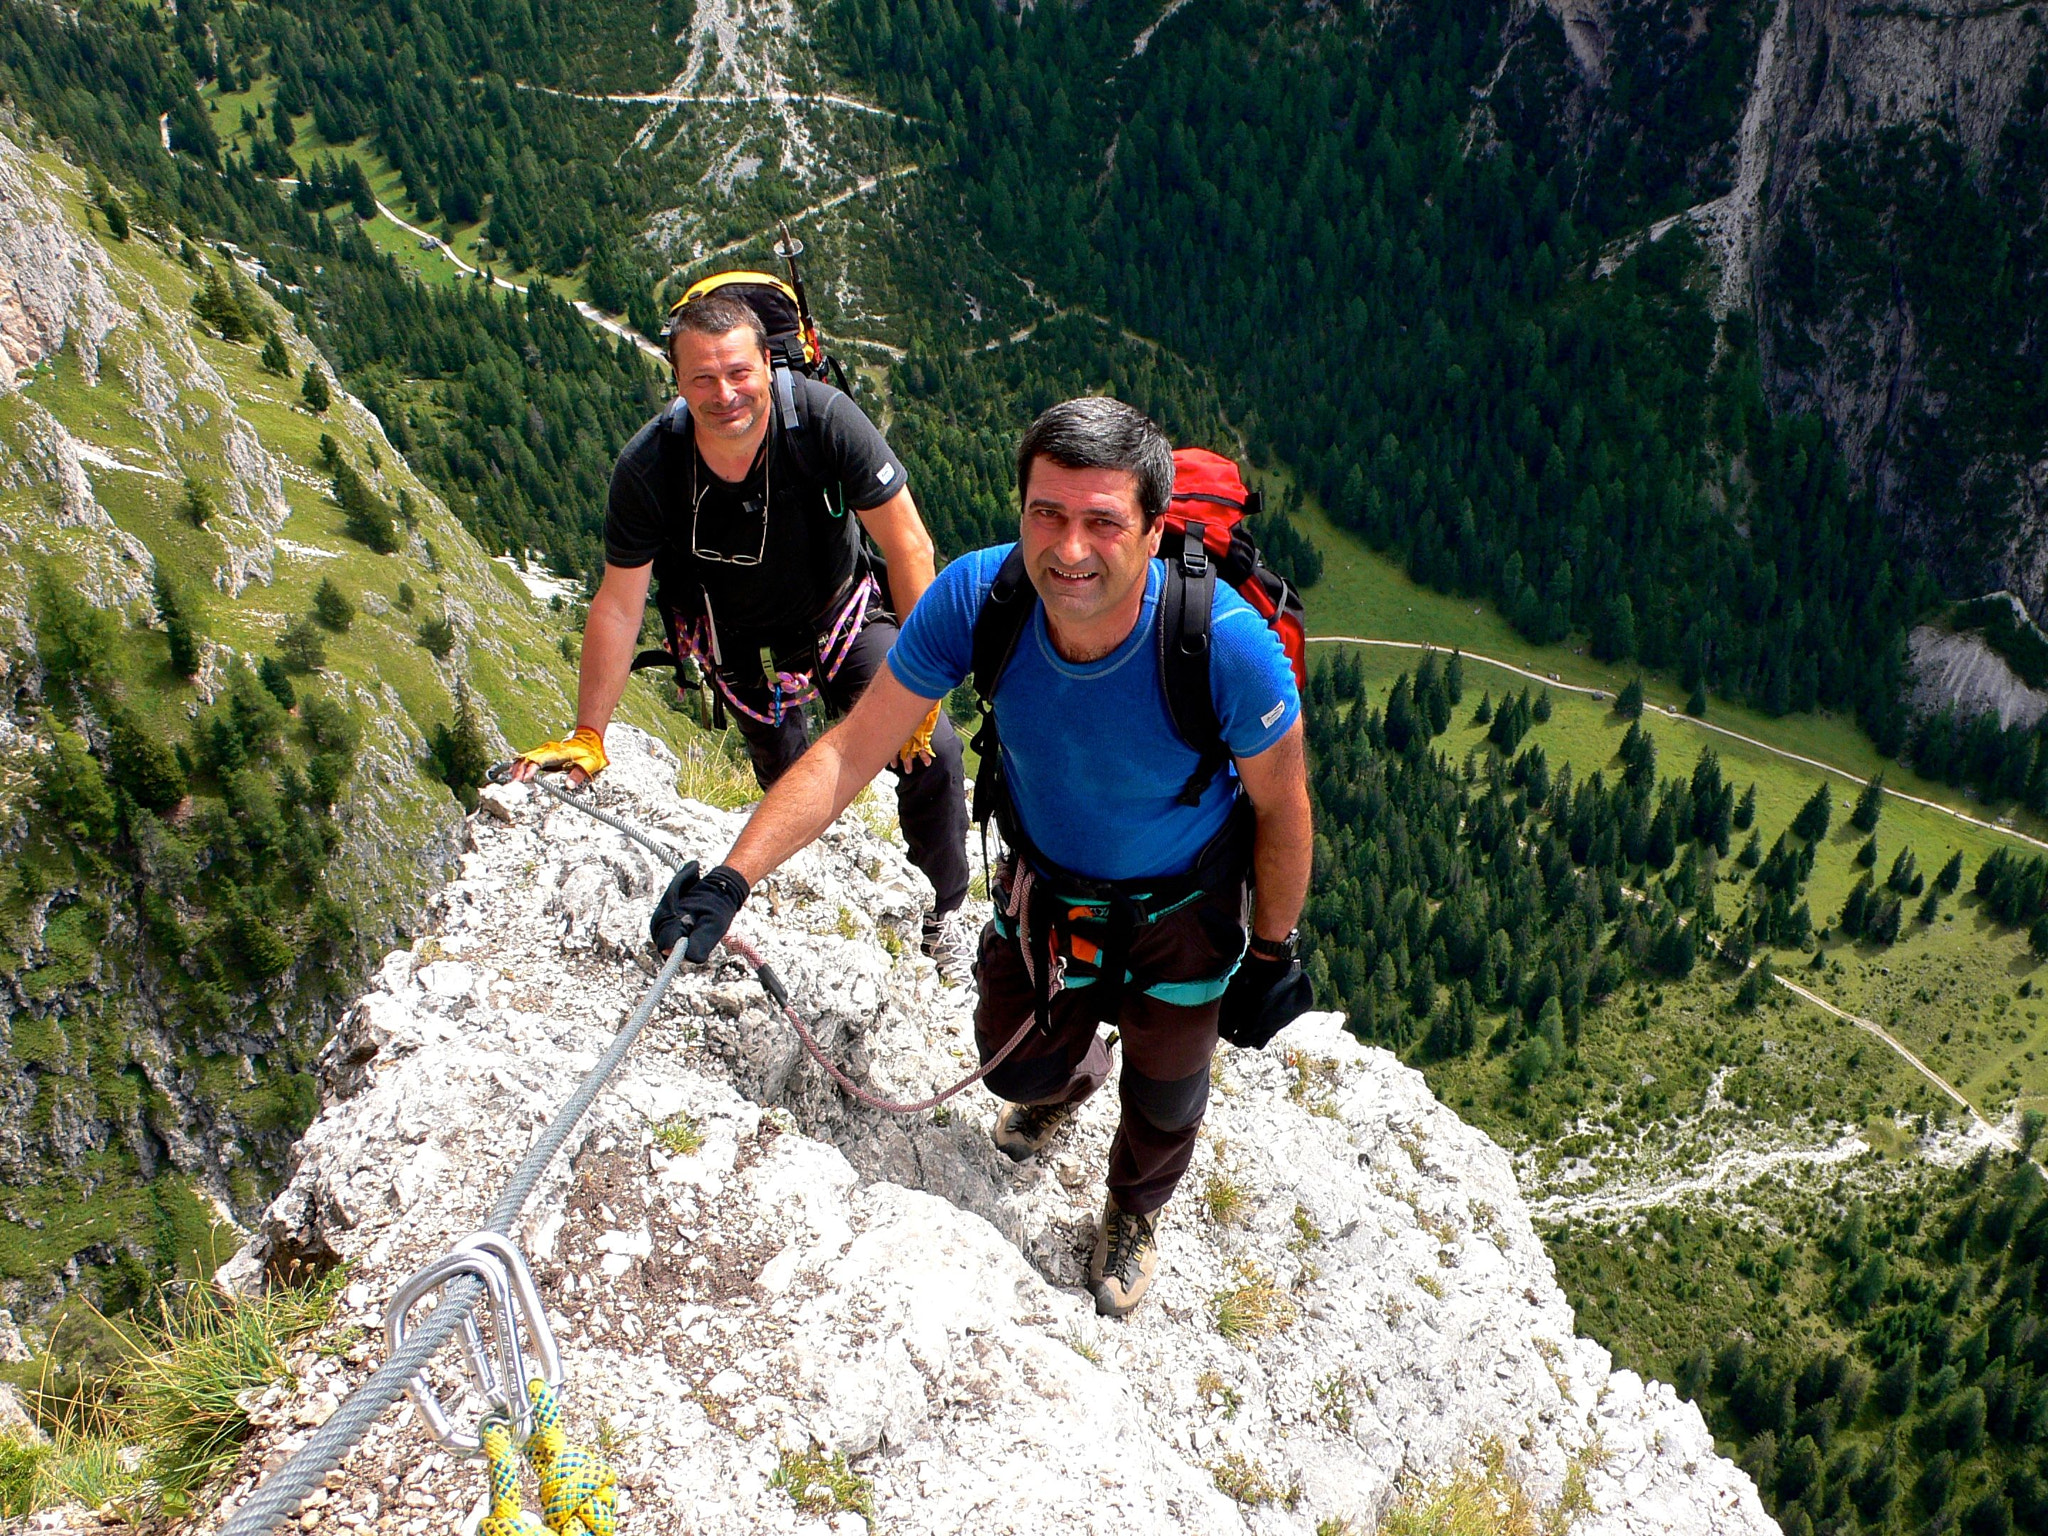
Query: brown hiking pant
[1164, 1088]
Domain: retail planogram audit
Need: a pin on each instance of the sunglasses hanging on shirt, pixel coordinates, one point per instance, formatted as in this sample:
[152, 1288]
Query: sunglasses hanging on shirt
[750, 507]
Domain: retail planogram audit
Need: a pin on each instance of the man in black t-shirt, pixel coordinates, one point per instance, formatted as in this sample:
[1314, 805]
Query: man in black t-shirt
[749, 532]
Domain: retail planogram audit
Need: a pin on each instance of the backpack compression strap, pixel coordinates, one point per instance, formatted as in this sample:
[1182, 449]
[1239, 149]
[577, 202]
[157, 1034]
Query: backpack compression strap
[1185, 604]
[997, 628]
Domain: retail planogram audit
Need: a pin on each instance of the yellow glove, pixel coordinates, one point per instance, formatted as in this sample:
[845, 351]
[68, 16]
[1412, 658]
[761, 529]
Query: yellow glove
[583, 749]
[919, 748]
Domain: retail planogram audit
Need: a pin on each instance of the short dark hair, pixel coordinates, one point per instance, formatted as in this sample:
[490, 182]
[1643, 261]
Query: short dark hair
[714, 314]
[1096, 432]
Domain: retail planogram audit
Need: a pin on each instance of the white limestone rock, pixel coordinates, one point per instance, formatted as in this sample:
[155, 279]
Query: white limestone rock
[810, 1273]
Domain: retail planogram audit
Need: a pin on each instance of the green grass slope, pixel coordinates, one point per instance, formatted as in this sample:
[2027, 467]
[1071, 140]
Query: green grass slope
[158, 1071]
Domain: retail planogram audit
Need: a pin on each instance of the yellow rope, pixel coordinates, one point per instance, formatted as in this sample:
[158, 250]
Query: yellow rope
[577, 1489]
[507, 1517]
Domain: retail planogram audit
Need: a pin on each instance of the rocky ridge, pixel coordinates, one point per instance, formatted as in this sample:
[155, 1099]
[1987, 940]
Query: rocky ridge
[741, 1266]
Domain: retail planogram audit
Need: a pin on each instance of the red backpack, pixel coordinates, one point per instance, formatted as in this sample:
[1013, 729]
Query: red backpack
[1205, 540]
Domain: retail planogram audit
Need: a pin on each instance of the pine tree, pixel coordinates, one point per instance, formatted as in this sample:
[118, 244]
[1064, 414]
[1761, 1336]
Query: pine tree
[1812, 821]
[275, 359]
[1951, 874]
[215, 303]
[271, 674]
[1866, 856]
[1745, 810]
[1856, 908]
[313, 386]
[180, 624]
[366, 516]
[1541, 712]
[463, 755]
[438, 636]
[116, 214]
[1483, 715]
[1696, 701]
[301, 649]
[143, 765]
[1869, 805]
[1628, 704]
[332, 607]
[197, 507]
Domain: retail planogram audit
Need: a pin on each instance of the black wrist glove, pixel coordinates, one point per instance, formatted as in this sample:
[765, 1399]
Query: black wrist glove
[1264, 997]
[697, 908]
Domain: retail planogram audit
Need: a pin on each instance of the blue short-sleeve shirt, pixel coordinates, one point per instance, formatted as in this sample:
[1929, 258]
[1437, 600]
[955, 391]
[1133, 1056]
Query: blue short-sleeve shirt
[1094, 763]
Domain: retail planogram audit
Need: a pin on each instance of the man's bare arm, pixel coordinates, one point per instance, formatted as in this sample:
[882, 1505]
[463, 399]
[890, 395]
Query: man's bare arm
[899, 533]
[1283, 847]
[823, 782]
[611, 636]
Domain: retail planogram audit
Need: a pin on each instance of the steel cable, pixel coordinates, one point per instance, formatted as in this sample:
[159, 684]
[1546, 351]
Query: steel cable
[279, 1497]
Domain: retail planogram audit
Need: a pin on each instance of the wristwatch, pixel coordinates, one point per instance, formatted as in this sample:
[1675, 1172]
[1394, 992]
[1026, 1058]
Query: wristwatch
[1268, 949]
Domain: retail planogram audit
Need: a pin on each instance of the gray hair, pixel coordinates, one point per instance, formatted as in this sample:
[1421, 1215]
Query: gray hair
[714, 314]
[1096, 432]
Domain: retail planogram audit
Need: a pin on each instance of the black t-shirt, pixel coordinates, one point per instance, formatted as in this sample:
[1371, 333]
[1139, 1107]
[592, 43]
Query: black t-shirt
[666, 506]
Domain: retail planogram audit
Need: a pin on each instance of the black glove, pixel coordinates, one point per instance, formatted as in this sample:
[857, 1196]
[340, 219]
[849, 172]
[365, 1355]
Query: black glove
[1264, 997]
[699, 908]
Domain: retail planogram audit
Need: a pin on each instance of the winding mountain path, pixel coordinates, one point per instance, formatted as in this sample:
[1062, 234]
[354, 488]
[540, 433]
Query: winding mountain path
[725, 99]
[1869, 1026]
[863, 185]
[1549, 680]
[587, 310]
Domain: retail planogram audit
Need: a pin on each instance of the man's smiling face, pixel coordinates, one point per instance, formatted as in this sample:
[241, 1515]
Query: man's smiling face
[1086, 548]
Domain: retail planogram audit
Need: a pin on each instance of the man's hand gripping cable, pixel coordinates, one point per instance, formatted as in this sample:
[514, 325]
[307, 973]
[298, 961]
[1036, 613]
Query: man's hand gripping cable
[778, 993]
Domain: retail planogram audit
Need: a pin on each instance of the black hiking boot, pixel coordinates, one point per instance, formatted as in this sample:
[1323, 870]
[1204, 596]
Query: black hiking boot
[1126, 1255]
[1025, 1130]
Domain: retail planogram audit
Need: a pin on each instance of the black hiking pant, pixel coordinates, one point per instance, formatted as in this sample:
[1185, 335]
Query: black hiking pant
[931, 799]
[1164, 1087]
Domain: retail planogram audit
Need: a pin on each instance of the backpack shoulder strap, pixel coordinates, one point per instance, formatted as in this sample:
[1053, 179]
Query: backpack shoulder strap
[793, 415]
[1184, 609]
[997, 629]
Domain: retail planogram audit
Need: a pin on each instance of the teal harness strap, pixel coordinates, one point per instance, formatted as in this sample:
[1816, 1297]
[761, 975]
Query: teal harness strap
[1178, 994]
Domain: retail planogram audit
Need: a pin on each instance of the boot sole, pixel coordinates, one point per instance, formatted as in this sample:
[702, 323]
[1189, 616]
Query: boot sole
[1104, 1307]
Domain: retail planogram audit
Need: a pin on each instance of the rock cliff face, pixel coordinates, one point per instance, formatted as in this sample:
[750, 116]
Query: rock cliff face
[1871, 179]
[741, 1265]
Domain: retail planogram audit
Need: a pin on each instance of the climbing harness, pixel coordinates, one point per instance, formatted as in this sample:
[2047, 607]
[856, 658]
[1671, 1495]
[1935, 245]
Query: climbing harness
[694, 636]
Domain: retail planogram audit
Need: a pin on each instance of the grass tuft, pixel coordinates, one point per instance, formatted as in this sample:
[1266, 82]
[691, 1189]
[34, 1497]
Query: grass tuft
[679, 1135]
[1226, 1200]
[1485, 1500]
[176, 1398]
[822, 1485]
[1254, 1308]
[1218, 1393]
[1247, 1482]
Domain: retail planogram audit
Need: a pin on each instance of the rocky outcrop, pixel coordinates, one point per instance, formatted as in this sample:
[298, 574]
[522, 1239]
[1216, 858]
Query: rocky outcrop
[743, 1266]
[1961, 672]
[1870, 181]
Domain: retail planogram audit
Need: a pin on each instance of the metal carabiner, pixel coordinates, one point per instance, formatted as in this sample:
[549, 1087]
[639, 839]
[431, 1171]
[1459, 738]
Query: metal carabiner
[513, 1305]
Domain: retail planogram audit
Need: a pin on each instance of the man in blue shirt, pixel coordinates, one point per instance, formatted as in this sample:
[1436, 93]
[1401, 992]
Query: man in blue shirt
[1119, 900]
